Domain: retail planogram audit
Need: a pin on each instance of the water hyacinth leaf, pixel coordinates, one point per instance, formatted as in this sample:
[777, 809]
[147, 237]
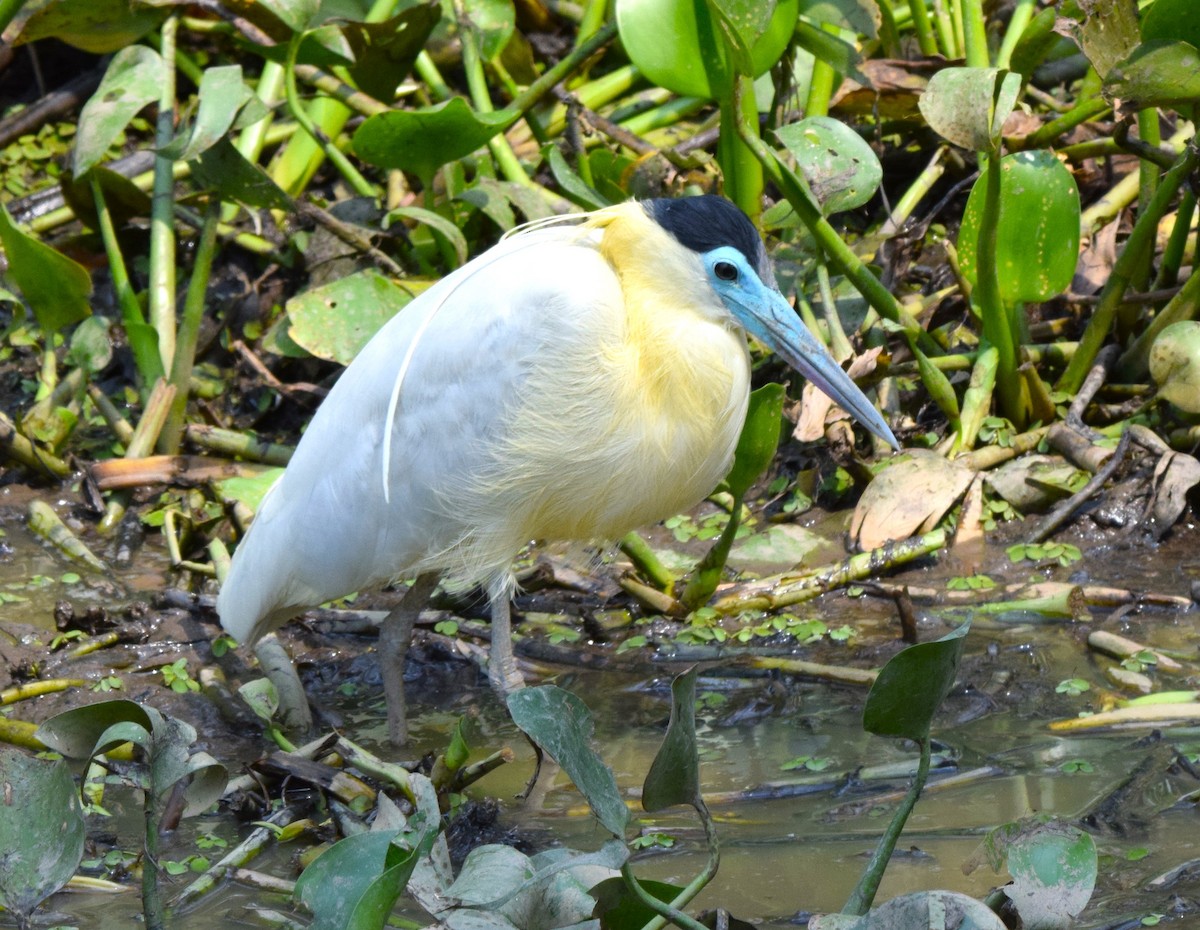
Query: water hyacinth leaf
[674, 776]
[355, 883]
[921, 910]
[494, 22]
[857, 16]
[490, 874]
[1037, 39]
[835, 51]
[41, 831]
[1106, 30]
[262, 698]
[441, 226]
[384, 53]
[249, 490]
[421, 141]
[559, 894]
[124, 199]
[1162, 73]
[336, 320]
[57, 289]
[618, 908]
[1175, 365]
[227, 171]
[696, 61]
[562, 725]
[80, 733]
[912, 685]
[222, 94]
[1037, 235]
[758, 440]
[91, 346]
[968, 106]
[134, 79]
[97, 26]
[1053, 869]
[1171, 20]
[842, 171]
[570, 183]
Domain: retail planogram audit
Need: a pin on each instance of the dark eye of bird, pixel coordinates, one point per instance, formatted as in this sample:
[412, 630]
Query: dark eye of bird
[725, 271]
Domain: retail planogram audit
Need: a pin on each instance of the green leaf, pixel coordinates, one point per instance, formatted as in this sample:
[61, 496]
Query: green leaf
[41, 830]
[1162, 73]
[56, 288]
[248, 490]
[570, 183]
[134, 78]
[620, 909]
[1106, 30]
[494, 22]
[674, 776]
[421, 141]
[226, 170]
[842, 171]
[1053, 868]
[91, 345]
[77, 733]
[968, 106]
[262, 698]
[336, 320]
[489, 874]
[442, 227]
[1037, 40]
[758, 440]
[562, 725]
[222, 95]
[384, 52]
[697, 59]
[96, 26]
[355, 883]
[921, 910]
[1171, 20]
[1037, 234]
[909, 689]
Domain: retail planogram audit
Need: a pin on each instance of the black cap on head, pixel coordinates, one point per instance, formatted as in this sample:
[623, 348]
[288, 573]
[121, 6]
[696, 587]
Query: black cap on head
[706, 222]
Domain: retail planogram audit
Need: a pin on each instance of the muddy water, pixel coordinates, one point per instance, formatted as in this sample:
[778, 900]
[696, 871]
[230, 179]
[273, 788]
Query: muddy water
[802, 853]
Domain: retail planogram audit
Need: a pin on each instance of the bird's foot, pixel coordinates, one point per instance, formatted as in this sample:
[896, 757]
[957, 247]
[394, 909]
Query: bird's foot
[505, 680]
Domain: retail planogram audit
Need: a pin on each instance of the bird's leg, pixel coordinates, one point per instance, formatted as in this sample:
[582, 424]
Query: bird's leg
[502, 666]
[394, 636]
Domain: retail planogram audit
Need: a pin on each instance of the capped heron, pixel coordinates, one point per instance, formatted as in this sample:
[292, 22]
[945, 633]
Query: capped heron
[584, 377]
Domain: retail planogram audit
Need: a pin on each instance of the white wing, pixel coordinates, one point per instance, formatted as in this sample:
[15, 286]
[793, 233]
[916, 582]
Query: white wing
[326, 530]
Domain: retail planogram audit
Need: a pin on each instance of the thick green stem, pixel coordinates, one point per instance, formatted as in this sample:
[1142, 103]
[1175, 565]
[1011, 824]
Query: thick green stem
[1140, 239]
[1172, 256]
[361, 185]
[1135, 363]
[975, 34]
[926, 40]
[1086, 109]
[1014, 398]
[162, 209]
[185, 347]
[864, 893]
[145, 354]
[1022, 14]
[707, 575]
[742, 173]
[505, 157]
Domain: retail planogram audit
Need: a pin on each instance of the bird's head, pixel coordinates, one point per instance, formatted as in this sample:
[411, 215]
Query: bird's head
[737, 268]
